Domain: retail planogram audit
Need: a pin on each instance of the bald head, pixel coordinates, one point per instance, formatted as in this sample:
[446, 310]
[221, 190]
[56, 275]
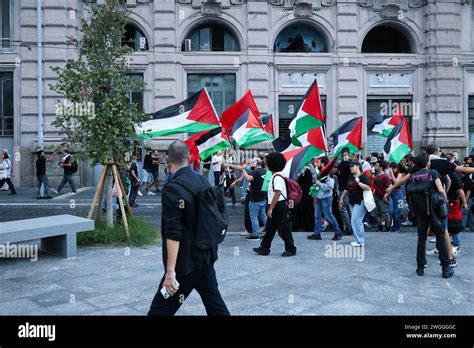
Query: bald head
[178, 153]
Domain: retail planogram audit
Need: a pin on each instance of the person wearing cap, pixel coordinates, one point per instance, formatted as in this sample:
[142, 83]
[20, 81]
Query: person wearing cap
[356, 185]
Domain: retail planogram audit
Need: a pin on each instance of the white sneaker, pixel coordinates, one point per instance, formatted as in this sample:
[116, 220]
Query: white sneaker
[325, 225]
[432, 252]
[55, 191]
[355, 244]
[245, 234]
[150, 193]
[140, 193]
[72, 193]
[456, 250]
[406, 223]
[366, 224]
[433, 240]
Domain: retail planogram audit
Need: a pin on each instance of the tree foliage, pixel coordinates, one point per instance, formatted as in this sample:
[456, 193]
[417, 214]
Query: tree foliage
[99, 77]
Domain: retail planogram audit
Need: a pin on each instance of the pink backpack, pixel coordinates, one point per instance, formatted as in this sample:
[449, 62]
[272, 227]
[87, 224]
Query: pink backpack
[293, 190]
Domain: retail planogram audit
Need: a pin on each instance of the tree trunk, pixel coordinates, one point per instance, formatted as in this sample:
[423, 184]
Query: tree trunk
[110, 203]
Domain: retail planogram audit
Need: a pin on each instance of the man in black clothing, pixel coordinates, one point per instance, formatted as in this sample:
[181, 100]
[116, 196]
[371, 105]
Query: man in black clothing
[134, 184]
[343, 174]
[41, 174]
[426, 216]
[186, 266]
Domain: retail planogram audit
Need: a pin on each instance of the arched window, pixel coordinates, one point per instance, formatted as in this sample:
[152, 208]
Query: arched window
[211, 37]
[135, 38]
[300, 37]
[385, 39]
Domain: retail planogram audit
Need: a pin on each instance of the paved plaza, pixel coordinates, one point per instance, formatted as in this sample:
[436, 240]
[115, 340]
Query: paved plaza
[317, 281]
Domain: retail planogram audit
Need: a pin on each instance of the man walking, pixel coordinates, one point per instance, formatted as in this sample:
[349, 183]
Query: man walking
[66, 163]
[277, 211]
[41, 174]
[187, 267]
[217, 161]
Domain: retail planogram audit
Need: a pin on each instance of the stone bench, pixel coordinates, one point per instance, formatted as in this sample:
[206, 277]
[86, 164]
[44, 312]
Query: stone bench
[57, 233]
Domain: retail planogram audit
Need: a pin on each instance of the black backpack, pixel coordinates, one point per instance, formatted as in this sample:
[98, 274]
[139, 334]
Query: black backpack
[74, 165]
[211, 216]
[423, 200]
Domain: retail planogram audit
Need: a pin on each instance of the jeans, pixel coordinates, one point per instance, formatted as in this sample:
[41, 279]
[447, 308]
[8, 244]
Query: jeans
[456, 241]
[423, 224]
[324, 205]
[70, 180]
[358, 212]
[245, 185]
[42, 179]
[345, 212]
[395, 203]
[204, 281]
[257, 213]
[278, 222]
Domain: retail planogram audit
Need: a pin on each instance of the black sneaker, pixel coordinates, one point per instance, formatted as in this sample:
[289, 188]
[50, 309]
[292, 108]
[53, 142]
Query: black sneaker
[288, 253]
[261, 251]
[39, 197]
[253, 238]
[448, 272]
[420, 271]
[337, 237]
[12, 194]
[48, 197]
[380, 229]
[453, 263]
[314, 237]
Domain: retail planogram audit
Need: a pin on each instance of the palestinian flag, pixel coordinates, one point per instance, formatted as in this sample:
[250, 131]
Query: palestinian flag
[348, 135]
[398, 144]
[297, 159]
[211, 142]
[314, 137]
[237, 110]
[386, 127]
[194, 157]
[309, 115]
[267, 122]
[194, 114]
[248, 130]
[327, 169]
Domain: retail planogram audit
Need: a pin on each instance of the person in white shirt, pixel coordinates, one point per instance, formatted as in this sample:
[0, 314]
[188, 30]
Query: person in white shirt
[277, 211]
[7, 172]
[216, 162]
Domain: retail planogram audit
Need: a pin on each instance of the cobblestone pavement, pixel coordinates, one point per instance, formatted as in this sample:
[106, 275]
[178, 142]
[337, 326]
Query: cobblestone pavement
[317, 281]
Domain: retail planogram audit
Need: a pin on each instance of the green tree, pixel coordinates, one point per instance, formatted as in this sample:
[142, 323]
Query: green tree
[98, 119]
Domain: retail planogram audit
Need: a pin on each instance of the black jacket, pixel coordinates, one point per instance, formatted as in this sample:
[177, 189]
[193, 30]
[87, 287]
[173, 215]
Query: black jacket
[178, 220]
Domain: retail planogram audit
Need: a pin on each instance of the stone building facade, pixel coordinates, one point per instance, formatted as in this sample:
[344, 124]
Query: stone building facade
[367, 55]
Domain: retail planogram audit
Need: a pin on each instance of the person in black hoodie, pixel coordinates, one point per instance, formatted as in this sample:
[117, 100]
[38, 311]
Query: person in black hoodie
[186, 266]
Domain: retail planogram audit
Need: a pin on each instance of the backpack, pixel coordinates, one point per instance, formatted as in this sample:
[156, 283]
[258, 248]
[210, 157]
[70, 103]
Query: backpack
[425, 201]
[74, 165]
[293, 190]
[211, 216]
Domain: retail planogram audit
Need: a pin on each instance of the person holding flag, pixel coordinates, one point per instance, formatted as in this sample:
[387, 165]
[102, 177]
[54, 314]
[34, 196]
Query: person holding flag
[325, 187]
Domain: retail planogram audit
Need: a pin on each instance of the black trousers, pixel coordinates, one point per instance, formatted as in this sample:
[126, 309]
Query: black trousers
[9, 183]
[133, 194]
[204, 281]
[278, 222]
[423, 223]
